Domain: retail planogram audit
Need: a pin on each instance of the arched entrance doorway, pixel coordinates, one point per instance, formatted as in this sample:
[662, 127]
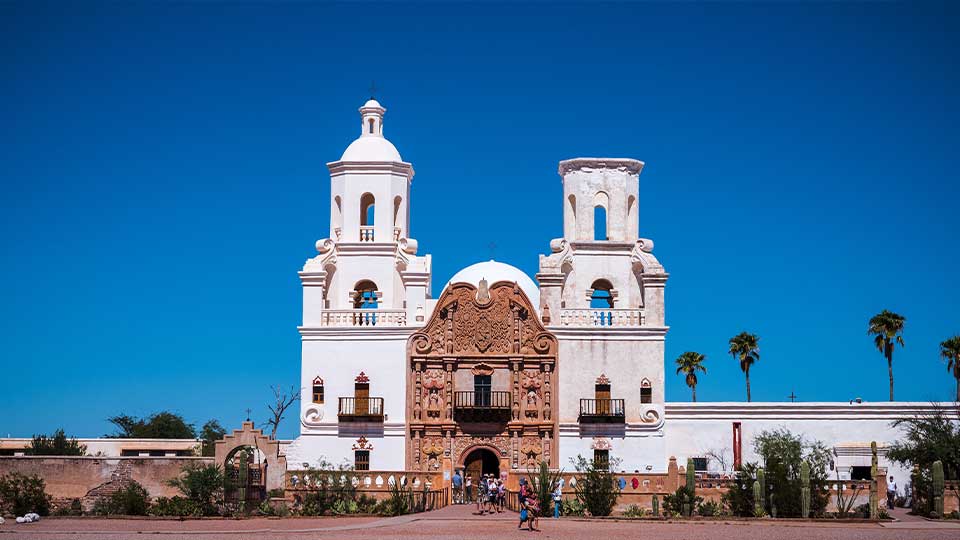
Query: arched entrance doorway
[481, 461]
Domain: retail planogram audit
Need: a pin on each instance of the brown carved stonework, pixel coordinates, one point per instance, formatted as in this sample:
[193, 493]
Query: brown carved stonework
[496, 334]
[464, 444]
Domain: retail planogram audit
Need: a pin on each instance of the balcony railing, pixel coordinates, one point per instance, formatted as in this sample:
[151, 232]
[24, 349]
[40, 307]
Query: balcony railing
[366, 233]
[602, 410]
[601, 317]
[354, 409]
[481, 400]
[363, 317]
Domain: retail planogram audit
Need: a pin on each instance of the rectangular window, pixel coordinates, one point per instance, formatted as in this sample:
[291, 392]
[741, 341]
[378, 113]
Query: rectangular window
[646, 395]
[481, 387]
[601, 459]
[700, 464]
[318, 393]
[361, 460]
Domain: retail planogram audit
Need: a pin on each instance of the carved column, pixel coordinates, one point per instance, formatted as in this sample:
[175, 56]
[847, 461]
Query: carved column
[417, 391]
[546, 391]
[448, 367]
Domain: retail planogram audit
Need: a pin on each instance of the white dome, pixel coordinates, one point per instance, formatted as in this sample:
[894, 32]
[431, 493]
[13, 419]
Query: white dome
[372, 103]
[371, 149]
[494, 271]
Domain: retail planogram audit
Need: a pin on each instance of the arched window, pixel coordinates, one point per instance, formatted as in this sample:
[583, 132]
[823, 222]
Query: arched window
[601, 202]
[602, 295]
[365, 295]
[367, 207]
[318, 390]
[371, 126]
[646, 391]
[599, 223]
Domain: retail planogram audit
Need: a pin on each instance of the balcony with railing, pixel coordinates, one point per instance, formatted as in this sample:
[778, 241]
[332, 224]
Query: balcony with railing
[363, 317]
[596, 411]
[603, 317]
[360, 409]
[487, 403]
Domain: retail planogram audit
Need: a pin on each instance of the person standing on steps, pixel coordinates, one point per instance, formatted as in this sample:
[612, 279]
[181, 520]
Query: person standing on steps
[457, 488]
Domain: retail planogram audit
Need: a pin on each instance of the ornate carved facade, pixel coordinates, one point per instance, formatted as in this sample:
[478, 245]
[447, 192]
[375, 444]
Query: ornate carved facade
[482, 373]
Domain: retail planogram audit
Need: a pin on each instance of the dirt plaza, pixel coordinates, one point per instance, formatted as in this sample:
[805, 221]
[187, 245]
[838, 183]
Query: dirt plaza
[459, 522]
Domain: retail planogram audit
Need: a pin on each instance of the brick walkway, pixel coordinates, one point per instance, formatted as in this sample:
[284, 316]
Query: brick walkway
[460, 522]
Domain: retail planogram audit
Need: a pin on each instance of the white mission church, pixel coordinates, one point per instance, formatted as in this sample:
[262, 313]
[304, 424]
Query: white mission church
[500, 370]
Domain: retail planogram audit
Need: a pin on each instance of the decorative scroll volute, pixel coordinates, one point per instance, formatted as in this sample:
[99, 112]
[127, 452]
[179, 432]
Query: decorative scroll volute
[463, 326]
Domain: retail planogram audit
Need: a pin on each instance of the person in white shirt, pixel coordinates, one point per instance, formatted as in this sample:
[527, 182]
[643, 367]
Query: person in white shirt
[891, 492]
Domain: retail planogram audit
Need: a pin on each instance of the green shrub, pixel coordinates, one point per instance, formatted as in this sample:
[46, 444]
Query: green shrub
[74, 509]
[783, 454]
[276, 493]
[175, 506]
[572, 507]
[202, 484]
[674, 503]
[596, 488]
[21, 494]
[543, 481]
[55, 445]
[131, 500]
[710, 508]
[634, 511]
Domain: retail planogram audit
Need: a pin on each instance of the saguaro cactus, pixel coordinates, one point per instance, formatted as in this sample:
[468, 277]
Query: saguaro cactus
[805, 490]
[762, 478]
[874, 491]
[656, 506]
[757, 498]
[938, 488]
[691, 487]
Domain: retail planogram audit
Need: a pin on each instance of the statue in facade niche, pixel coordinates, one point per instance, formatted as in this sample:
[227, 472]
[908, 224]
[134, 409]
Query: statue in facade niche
[531, 409]
[433, 404]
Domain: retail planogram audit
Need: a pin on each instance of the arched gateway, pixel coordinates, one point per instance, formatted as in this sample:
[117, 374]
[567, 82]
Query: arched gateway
[481, 378]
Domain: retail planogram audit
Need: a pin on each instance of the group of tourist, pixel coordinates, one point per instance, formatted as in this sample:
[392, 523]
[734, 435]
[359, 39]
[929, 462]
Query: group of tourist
[489, 494]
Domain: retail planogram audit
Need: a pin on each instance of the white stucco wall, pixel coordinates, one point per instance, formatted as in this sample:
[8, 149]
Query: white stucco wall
[692, 429]
[338, 355]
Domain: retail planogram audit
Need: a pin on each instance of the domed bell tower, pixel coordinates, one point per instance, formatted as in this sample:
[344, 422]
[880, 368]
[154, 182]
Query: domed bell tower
[364, 293]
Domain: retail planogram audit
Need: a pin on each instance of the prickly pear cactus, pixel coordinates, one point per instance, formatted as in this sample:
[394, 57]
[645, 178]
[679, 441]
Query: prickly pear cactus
[656, 506]
[805, 490]
[938, 488]
[757, 499]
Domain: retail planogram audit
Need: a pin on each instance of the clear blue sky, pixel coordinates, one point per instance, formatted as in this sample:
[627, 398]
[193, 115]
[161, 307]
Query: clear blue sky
[163, 179]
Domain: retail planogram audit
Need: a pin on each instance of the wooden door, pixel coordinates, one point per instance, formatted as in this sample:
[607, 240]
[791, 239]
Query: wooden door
[361, 393]
[602, 395]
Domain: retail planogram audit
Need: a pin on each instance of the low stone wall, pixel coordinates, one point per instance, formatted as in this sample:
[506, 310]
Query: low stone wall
[87, 478]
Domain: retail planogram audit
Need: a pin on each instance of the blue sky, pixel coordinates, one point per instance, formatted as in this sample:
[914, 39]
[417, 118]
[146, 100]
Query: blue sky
[162, 179]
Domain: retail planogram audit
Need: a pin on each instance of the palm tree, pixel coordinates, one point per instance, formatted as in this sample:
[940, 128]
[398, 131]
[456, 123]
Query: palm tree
[690, 363]
[887, 327]
[746, 348]
[950, 351]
